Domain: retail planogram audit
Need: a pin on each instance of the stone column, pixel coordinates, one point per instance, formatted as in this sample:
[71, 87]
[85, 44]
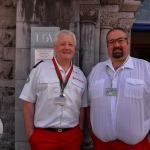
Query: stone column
[109, 18]
[88, 18]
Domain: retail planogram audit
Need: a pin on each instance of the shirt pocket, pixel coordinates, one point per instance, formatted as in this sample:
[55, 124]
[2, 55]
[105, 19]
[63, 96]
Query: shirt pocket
[52, 87]
[96, 89]
[134, 88]
[78, 88]
[79, 84]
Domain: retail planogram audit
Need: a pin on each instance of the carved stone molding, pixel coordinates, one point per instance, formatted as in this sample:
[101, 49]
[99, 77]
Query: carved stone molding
[88, 1]
[101, 2]
[126, 24]
[109, 8]
[109, 19]
[89, 13]
[130, 5]
[110, 2]
[42, 10]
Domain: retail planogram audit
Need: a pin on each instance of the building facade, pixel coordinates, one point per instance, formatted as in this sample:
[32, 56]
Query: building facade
[89, 20]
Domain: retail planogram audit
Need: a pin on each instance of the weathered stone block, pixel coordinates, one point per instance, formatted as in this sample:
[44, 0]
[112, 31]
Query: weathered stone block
[9, 4]
[7, 145]
[8, 37]
[19, 86]
[22, 146]
[6, 69]
[7, 13]
[130, 5]
[126, 15]
[20, 135]
[109, 8]
[0, 94]
[9, 53]
[20, 15]
[23, 65]
[23, 33]
[7, 83]
[8, 118]
[88, 1]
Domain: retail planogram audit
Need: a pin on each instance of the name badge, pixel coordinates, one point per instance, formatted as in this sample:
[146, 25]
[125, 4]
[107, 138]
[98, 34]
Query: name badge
[111, 91]
[61, 100]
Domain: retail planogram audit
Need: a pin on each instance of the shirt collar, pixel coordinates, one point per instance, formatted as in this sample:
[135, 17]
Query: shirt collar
[75, 69]
[60, 68]
[127, 64]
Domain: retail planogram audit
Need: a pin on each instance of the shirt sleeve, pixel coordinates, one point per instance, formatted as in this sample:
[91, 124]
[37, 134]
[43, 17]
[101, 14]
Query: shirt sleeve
[29, 90]
[147, 77]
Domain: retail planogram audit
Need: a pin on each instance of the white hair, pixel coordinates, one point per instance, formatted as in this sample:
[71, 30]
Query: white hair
[65, 32]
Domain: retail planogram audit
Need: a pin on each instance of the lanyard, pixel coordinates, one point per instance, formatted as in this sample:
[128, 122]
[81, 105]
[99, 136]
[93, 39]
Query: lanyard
[117, 73]
[62, 83]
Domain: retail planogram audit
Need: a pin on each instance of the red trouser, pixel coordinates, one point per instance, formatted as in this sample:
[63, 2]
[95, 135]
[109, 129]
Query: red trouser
[119, 145]
[42, 139]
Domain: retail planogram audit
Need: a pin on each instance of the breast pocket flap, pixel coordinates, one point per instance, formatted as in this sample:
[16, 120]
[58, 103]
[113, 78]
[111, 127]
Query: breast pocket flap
[97, 82]
[79, 83]
[134, 81]
[50, 80]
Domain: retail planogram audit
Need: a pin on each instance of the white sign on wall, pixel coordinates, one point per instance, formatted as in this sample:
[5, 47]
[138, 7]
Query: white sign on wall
[42, 40]
[43, 54]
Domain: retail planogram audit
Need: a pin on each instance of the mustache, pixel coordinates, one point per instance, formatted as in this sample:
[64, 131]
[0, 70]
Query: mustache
[117, 48]
[117, 52]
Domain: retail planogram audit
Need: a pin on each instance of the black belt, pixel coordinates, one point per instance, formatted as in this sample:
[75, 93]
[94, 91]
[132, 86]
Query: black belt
[117, 141]
[57, 129]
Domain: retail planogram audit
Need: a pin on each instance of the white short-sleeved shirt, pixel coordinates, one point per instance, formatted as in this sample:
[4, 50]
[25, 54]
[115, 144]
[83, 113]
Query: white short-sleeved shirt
[43, 87]
[125, 116]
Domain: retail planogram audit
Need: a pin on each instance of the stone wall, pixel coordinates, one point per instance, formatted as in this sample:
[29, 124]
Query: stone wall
[7, 67]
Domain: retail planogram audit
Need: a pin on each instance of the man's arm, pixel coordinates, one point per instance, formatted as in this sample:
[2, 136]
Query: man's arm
[81, 118]
[28, 112]
[88, 120]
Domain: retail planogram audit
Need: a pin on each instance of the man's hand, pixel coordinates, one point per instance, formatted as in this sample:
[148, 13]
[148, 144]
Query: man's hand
[29, 134]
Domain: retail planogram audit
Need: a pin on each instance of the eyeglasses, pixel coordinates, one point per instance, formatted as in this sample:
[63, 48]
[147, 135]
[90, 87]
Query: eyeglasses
[120, 40]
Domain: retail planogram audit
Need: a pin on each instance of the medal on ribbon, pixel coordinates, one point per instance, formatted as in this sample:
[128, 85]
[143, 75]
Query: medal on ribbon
[61, 100]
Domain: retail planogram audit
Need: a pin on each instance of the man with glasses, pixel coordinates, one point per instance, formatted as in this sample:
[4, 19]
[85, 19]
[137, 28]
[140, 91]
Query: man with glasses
[119, 98]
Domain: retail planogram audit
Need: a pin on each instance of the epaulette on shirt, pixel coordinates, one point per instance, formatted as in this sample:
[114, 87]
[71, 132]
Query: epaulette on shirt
[37, 64]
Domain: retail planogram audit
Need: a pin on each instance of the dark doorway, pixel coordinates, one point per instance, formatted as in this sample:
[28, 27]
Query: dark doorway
[141, 51]
[140, 41]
